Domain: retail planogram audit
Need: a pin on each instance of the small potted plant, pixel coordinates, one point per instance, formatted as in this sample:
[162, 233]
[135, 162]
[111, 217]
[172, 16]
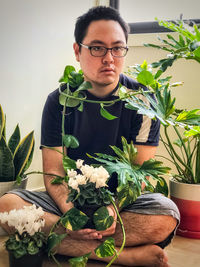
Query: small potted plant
[27, 244]
[16, 156]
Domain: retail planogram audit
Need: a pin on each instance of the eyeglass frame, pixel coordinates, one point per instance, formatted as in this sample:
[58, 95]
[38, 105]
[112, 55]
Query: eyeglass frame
[106, 50]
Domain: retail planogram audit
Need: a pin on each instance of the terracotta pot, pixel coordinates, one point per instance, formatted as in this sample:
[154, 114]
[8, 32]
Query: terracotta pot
[187, 198]
[26, 260]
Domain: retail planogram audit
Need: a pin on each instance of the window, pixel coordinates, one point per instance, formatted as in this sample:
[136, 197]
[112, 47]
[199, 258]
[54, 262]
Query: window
[141, 14]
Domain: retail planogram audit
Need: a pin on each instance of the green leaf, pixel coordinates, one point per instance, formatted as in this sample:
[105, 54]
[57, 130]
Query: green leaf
[84, 86]
[195, 132]
[2, 121]
[101, 219]
[23, 152]
[162, 187]
[28, 163]
[104, 113]
[14, 139]
[145, 77]
[67, 71]
[191, 117]
[74, 219]
[127, 194]
[197, 51]
[68, 163]
[122, 91]
[70, 141]
[53, 241]
[106, 249]
[32, 248]
[79, 261]
[57, 180]
[7, 170]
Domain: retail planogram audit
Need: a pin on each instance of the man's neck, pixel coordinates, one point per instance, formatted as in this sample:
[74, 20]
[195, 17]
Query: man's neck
[102, 91]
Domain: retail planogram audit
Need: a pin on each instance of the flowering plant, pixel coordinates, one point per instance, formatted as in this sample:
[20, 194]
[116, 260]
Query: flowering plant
[28, 238]
[88, 185]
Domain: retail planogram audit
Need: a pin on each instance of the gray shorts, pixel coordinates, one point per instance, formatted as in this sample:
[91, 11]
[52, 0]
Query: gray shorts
[148, 203]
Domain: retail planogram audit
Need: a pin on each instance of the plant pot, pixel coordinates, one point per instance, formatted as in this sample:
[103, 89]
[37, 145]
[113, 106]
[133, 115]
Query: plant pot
[89, 210]
[7, 186]
[26, 260]
[187, 199]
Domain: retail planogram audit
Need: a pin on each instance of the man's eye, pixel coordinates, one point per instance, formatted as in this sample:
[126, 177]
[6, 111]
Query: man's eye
[97, 48]
[117, 48]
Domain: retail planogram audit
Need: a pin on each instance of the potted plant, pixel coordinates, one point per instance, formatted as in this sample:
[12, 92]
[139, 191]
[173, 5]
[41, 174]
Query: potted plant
[183, 146]
[27, 245]
[15, 158]
[89, 193]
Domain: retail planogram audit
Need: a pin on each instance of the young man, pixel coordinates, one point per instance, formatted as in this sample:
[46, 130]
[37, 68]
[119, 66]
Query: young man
[100, 47]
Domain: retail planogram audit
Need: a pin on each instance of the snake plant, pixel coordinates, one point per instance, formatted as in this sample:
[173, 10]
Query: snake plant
[15, 154]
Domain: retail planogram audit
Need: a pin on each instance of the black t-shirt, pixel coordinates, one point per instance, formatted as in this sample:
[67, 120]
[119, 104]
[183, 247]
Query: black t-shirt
[94, 132]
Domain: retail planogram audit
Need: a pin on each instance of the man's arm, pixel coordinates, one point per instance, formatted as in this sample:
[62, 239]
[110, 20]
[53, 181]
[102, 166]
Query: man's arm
[52, 163]
[144, 153]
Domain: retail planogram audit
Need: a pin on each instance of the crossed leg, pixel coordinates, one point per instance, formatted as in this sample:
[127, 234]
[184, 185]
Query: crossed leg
[142, 232]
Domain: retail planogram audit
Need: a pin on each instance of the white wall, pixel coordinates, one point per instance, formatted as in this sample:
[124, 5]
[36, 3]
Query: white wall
[35, 45]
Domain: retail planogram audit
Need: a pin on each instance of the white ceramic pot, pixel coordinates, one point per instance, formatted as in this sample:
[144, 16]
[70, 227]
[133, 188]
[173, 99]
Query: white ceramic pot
[187, 198]
[7, 186]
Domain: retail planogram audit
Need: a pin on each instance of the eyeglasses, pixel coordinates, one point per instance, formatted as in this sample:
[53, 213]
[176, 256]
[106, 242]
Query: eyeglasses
[101, 51]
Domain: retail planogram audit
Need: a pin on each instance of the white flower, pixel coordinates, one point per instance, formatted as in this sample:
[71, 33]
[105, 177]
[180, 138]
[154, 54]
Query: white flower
[87, 170]
[73, 184]
[71, 173]
[27, 219]
[81, 179]
[79, 163]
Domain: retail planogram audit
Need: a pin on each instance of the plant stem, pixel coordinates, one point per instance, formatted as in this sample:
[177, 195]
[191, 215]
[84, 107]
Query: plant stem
[38, 172]
[99, 102]
[124, 234]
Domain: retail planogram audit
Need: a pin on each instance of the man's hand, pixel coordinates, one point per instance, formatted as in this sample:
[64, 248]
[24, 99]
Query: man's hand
[88, 234]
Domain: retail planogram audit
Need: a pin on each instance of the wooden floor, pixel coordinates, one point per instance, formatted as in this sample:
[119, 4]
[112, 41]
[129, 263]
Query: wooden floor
[182, 252]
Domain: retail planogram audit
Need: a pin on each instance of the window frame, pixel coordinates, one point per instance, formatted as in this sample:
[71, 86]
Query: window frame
[145, 27]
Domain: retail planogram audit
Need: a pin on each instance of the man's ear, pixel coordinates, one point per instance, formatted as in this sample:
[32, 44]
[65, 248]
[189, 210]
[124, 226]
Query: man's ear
[76, 51]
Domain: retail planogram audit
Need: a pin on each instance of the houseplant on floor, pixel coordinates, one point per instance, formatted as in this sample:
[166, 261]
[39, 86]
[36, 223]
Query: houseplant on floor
[15, 158]
[26, 246]
[184, 153]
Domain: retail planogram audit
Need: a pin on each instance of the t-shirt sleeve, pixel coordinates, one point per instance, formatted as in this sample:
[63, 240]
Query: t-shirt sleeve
[51, 128]
[144, 130]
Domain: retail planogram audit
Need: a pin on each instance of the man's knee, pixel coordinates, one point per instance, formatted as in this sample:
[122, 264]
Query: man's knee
[11, 201]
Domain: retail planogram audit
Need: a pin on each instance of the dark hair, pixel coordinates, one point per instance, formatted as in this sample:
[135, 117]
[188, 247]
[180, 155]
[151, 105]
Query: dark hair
[94, 14]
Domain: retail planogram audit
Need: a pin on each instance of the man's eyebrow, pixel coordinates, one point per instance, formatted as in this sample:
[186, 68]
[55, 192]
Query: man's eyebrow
[98, 42]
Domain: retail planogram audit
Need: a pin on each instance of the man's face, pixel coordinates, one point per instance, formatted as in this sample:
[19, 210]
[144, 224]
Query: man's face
[101, 71]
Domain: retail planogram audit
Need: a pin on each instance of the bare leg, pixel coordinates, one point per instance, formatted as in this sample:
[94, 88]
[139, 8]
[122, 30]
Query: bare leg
[12, 201]
[142, 232]
[144, 229]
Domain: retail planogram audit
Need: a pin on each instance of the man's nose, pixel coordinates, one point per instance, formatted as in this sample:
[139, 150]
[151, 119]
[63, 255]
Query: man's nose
[108, 56]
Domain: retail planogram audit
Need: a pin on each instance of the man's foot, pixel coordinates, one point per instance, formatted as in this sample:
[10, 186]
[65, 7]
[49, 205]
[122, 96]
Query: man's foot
[149, 255]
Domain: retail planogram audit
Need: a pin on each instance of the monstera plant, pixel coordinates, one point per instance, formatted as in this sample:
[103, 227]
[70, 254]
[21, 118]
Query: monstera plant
[15, 154]
[183, 146]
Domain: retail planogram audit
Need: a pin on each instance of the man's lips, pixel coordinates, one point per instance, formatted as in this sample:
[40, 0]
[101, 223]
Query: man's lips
[107, 70]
